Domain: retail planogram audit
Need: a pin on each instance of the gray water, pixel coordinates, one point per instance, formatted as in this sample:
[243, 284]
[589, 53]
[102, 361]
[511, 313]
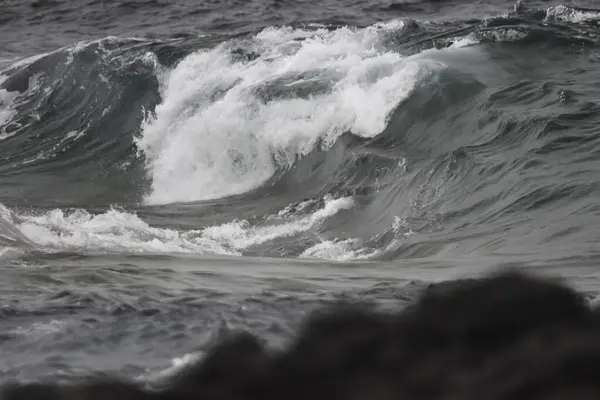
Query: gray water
[172, 171]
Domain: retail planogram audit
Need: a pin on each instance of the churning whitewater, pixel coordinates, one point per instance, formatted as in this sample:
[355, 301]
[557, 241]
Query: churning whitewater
[233, 116]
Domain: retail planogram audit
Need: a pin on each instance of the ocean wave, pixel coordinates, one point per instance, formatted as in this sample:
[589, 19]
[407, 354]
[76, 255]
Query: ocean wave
[229, 124]
[451, 127]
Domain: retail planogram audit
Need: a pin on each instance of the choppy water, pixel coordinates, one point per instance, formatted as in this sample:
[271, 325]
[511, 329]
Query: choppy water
[170, 171]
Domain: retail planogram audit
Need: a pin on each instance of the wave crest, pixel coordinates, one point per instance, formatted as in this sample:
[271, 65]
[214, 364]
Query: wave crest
[226, 125]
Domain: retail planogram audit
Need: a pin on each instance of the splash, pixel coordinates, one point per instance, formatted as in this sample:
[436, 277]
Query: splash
[232, 116]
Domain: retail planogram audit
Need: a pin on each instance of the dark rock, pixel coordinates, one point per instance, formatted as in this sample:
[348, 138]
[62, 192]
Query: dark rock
[506, 336]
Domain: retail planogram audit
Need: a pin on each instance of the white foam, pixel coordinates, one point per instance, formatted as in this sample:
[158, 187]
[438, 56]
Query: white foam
[567, 14]
[8, 100]
[213, 135]
[120, 231]
[25, 61]
[355, 249]
[401, 227]
[241, 235]
[339, 250]
[117, 231]
[39, 329]
[177, 365]
[294, 208]
[6, 108]
[503, 35]
[10, 234]
[10, 253]
[74, 135]
[465, 41]
[112, 231]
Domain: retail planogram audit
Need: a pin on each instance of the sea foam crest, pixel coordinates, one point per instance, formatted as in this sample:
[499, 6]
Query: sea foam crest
[118, 230]
[233, 115]
[569, 14]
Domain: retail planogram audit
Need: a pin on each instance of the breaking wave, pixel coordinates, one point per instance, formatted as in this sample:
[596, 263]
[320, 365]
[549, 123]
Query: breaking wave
[399, 139]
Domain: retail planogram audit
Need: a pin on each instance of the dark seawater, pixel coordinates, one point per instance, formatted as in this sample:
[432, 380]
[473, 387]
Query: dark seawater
[170, 171]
